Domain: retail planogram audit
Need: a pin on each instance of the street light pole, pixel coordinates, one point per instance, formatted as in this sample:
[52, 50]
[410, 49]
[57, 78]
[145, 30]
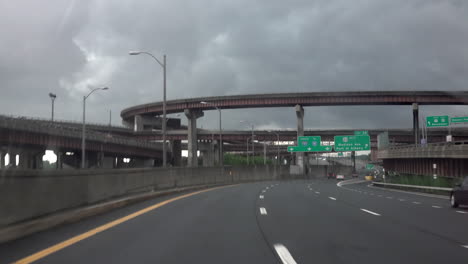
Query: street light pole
[163, 65]
[83, 131]
[52, 97]
[253, 142]
[277, 145]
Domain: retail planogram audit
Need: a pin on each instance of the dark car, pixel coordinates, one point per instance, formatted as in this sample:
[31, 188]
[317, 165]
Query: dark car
[459, 194]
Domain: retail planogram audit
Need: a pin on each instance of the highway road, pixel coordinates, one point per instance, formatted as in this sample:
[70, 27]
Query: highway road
[313, 221]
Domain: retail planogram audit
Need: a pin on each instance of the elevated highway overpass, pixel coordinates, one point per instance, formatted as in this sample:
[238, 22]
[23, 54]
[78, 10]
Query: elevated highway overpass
[29, 138]
[193, 108]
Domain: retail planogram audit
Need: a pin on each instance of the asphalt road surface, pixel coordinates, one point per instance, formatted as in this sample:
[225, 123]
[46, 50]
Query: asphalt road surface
[312, 221]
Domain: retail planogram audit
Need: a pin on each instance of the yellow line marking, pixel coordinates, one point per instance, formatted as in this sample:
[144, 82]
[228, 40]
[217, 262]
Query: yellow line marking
[43, 253]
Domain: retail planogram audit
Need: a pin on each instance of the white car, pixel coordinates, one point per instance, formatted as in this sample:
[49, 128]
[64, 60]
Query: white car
[340, 177]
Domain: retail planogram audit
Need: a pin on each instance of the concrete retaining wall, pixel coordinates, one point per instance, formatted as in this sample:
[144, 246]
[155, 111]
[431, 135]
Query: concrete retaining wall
[28, 194]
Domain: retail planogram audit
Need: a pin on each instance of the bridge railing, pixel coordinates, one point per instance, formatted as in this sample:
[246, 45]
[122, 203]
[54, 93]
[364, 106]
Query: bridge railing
[56, 129]
[63, 121]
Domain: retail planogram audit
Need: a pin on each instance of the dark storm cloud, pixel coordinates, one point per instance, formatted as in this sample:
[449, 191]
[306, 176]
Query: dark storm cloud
[231, 47]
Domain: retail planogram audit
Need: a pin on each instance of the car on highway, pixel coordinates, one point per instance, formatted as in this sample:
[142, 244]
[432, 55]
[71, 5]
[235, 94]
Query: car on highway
[340, 177]
[459, 194]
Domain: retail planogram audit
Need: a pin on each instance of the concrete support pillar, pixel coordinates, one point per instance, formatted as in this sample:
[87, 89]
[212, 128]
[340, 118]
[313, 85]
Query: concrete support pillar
[26, 159]
[192, 147]
[300, 132]
[108, 163]
[37, 160]
[2, 159]
[138, 123]
[59, 162]
[374, 154]
[416, 123]
[176, 153]
[216, 149]
[13, 155]
[148, 163]
[206, 151]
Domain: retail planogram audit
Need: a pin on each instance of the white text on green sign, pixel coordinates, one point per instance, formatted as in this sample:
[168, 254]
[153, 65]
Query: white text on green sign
[361, 133]
[437, 121]
[352, 143]
[309, 144]
[463, 119]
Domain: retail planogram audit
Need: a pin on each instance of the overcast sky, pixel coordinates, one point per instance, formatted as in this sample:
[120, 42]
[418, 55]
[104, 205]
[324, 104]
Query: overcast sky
[226, 47]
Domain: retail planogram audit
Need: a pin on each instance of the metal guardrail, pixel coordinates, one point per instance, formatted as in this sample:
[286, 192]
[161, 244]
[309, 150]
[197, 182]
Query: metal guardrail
[57, 129]
[413, 186]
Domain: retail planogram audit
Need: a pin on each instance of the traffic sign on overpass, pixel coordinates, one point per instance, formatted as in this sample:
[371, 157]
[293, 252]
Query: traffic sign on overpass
[309, 144]
[361, 133]
[462, 119]
[352, 143]
[437, 121]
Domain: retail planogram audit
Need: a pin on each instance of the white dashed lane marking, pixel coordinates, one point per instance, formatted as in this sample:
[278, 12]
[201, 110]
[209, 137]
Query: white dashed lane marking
[332, 198]
[263, 211]
[370, 212]
[436, 206]
[317, 192]
[261, 196]
[416, 202]
[284, 254]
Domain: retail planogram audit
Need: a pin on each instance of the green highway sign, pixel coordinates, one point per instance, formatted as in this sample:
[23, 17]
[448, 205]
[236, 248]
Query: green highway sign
[370, 166]
[361, 133]
[352, 143]
[309, 144]
[463, 119]
[437, 121]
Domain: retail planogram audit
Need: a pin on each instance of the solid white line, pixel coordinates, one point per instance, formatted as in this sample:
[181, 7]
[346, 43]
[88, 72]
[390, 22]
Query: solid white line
[263, 211]
[461, 212]
[445, 197]
[370, 212]
[284, 254]
[465, 246]
[261, 196]
[332, 198]
[435, 206]
[416, 202]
